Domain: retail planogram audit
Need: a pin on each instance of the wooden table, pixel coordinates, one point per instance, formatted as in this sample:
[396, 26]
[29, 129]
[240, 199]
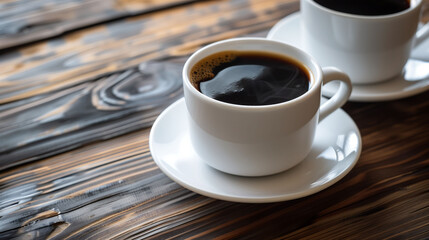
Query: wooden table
[77, 101]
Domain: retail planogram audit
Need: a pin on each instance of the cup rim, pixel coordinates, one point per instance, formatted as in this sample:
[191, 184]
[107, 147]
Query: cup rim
[412, 8]
[315, 74]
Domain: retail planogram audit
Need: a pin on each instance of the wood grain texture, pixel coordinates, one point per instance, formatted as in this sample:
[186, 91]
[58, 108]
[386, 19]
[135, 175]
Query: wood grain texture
[70, 89]
[86, 100]
[113, 189]
[109, 106]
[25, 21]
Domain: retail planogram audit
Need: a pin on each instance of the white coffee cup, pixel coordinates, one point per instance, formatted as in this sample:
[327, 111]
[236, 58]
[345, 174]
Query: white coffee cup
[259, 140]
[369, 49]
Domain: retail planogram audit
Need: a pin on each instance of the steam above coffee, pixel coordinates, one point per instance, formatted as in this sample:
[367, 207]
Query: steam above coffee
[250, 78]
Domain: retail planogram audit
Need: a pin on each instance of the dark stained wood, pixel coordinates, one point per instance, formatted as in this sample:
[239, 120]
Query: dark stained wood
[74, 141]
[24, 21]
[105, 107]
[84, 55]
[73, 78]
[114, 189]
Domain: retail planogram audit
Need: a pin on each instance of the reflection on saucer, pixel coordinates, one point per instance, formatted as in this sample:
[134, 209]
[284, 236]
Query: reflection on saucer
[414, 80]
[416, 70]
[345, 145]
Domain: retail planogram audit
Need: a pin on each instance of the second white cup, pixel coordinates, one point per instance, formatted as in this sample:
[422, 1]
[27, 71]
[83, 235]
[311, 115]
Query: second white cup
[369, 49]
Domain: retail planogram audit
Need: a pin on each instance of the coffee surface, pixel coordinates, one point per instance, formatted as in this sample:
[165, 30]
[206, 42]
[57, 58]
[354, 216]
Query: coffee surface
[366, 7]
[250, 78]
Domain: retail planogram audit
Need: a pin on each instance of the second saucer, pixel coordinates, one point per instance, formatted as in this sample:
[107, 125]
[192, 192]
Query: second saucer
[414, 80]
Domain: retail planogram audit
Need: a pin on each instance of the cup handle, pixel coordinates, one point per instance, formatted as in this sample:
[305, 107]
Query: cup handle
[341, 96]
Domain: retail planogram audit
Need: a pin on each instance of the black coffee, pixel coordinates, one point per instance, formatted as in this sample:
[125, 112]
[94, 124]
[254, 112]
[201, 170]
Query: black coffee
[366, 7]
[250, 78]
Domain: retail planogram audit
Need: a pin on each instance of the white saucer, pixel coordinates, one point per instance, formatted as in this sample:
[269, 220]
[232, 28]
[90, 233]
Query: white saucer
[335, 151]
[414, 80]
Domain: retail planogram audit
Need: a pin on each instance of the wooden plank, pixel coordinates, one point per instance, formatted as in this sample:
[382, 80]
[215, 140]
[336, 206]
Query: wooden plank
[65, 119]
[23, 21]
[104, 49]
[113, 189]
[68, 90]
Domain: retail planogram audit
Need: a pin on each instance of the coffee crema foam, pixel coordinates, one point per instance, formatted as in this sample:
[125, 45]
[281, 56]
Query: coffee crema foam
[204, 70]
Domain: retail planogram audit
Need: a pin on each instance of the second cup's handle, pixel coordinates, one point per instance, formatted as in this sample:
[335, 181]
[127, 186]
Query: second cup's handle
[422, 34]
[422, 37]
[342, 94]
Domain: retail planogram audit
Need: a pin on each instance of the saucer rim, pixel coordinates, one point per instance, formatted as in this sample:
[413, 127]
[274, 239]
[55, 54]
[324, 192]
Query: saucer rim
[257, 199]
[358, 95]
